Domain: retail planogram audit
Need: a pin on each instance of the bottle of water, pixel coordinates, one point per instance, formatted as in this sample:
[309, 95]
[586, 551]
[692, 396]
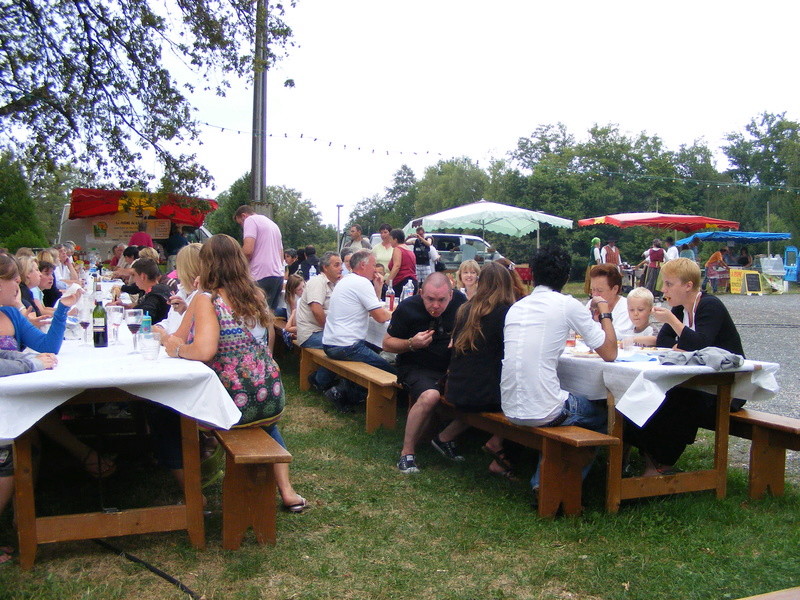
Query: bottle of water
[147, 325]
[408, 290]
[312, 271]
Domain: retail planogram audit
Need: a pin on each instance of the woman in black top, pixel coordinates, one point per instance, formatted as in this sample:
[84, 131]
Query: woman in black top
[695, 321]
[473, 378]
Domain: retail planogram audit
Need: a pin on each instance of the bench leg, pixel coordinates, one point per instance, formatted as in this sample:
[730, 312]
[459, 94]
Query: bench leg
[560, 478]
[381, 407]
[307, 366]
[767, 466]
[248, 499]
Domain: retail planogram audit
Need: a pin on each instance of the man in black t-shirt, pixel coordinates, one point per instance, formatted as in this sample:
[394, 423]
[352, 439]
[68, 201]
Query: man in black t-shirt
[422, 254]
[419, 333]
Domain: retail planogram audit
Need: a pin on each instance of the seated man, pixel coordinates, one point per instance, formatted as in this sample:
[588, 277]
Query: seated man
[535, 334]
[312, 309]
[354, 300]
[419, 334]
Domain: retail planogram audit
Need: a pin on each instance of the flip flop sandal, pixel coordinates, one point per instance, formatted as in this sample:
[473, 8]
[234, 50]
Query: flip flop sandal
[499, 456]
[5, 557]
[297, 508]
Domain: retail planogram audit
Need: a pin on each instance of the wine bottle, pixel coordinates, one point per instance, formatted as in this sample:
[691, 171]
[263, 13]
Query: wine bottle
[99, 325]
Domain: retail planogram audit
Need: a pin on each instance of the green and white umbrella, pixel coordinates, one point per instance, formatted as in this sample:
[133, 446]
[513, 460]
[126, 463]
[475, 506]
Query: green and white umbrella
[488, 216]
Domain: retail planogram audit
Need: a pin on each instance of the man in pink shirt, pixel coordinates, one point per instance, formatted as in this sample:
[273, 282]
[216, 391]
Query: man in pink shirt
[263, 247]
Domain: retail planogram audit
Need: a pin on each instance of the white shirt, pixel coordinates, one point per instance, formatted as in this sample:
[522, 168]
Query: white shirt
[318, 289]
[535, 336]
[348, 313]
[623, 325]
[174, 318]
[671, 253]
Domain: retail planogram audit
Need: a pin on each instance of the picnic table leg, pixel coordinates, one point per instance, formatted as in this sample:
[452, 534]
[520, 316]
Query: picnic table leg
[767, 465]
[614, 463]
[724, 395]
[381, 407]
[193, 495]
[25, 501]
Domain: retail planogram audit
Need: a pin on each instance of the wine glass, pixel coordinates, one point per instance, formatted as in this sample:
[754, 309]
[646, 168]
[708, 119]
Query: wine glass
[115, 314]
[85, 319]
[133, 318]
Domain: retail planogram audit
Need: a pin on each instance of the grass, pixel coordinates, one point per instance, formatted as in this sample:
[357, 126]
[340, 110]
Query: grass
[451, 532]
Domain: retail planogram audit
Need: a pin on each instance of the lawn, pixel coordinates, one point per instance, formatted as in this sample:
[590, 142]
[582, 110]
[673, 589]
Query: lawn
[450, 532]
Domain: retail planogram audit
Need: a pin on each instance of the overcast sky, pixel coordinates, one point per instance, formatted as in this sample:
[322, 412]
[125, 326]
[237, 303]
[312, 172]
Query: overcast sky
[437, 79]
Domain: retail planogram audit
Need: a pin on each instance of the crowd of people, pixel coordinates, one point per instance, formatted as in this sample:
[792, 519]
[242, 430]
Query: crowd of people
[480, 341]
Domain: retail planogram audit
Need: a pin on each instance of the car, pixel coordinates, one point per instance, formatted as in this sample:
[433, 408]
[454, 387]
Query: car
[454, 248]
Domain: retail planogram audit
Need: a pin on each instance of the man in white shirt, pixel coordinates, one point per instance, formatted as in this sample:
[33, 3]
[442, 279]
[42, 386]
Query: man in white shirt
[535, 332]
[312, 310]
[355, 299]
[671, 252]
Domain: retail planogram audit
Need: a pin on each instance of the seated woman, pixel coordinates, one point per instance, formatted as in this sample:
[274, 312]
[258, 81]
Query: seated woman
[696, 321]
[473, 378]
[231, 325]
[467, 278]
[606, 282]
[187, 265]
[520, 290]
[30, 294]
[294, 289]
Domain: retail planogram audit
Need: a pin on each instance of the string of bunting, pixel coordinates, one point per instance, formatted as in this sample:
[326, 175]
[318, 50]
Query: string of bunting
[575, 171]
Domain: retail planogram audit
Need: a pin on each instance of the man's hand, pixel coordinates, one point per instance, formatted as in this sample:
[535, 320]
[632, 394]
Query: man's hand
[421, 340]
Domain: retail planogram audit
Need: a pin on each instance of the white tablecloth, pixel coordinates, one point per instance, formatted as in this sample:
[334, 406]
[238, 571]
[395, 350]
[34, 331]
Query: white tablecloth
[639, 387]
[187, 386]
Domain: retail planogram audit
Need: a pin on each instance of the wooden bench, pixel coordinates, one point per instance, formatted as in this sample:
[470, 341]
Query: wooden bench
[279, 347]
[248, 490]
[381, 385]
[771, 436]
[788, 594]
[564, 451]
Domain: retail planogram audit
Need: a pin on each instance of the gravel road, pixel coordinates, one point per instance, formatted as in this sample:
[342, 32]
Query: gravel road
[770, 330]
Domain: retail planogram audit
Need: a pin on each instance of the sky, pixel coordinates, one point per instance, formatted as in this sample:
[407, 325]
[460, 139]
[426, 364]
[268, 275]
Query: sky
[381, 83]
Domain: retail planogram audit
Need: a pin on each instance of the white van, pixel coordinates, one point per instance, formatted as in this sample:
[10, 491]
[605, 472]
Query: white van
[455, 248]
[103, 232]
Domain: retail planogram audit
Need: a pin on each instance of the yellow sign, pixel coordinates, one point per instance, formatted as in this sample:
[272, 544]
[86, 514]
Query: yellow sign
[745, 282]
[737, 276]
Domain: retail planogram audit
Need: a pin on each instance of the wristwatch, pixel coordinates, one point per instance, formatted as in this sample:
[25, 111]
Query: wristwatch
[606, 316]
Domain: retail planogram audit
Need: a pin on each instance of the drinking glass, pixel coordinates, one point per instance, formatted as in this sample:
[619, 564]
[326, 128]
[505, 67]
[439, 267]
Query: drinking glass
[151, 345]
[115, 314]
[133, 319]
[85, 319]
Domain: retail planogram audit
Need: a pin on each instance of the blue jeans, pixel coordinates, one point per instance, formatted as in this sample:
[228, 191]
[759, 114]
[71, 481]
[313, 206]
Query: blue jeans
[323, 378]
[581, 412]
[272, 290]
[361, 351]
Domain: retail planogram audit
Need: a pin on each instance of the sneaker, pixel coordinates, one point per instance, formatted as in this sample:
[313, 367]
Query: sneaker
[446, 449]
[338, 398]
[407, 464]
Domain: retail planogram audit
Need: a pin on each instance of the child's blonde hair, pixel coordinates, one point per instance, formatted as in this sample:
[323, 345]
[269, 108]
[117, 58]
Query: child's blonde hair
[643, 293]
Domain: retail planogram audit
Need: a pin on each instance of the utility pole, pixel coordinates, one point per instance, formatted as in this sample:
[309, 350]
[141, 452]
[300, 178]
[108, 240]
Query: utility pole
[258, 169]
[338, 228]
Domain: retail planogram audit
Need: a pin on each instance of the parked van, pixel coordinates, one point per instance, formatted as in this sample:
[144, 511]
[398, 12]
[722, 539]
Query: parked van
[103, 232]
[455, 248]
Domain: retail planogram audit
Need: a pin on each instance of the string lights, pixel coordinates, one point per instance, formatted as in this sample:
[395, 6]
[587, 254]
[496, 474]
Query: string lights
[574, 171]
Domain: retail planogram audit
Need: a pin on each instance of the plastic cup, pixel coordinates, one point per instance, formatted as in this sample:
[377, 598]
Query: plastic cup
[571, 338]
[150, 345]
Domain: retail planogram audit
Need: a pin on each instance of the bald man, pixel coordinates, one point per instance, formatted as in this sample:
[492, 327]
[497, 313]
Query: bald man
[419, 333]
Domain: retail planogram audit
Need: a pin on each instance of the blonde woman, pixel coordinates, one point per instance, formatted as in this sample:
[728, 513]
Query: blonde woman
[467, 277]
[187, 264]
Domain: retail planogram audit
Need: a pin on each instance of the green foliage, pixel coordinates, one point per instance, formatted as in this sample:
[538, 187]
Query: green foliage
[86, 82]
[300, 223]
[450, 183]
[18, 223]
[395, 207]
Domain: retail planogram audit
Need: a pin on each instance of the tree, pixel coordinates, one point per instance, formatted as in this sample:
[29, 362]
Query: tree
[18, 223]
[86, 81]
[300, 223]
[395, 207]
[450, 183]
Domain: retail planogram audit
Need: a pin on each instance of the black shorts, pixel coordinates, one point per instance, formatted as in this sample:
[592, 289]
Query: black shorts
[418, 380]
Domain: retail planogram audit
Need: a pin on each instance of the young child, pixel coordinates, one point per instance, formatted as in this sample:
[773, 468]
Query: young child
[640, 305]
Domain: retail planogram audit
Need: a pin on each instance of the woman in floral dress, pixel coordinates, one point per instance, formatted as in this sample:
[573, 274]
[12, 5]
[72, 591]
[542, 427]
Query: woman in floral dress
[228, 329]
